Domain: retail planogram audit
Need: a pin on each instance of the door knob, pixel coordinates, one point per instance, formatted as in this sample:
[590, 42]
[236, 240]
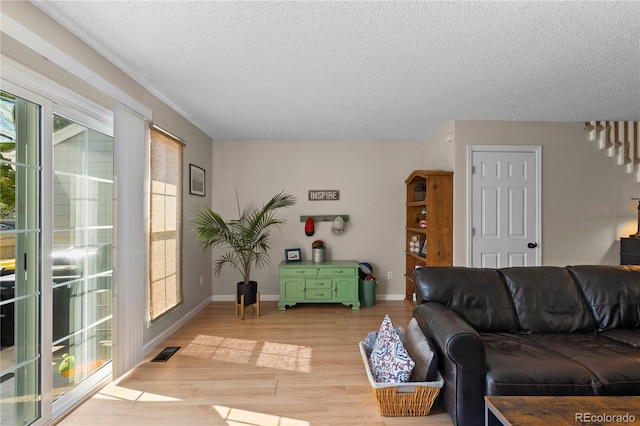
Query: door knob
[532, 245]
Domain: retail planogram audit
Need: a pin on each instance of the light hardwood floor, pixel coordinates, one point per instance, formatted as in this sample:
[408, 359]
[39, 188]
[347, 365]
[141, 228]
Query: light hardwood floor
[300, 367]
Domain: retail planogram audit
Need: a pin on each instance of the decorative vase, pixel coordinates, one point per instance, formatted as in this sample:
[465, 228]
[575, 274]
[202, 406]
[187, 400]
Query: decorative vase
[249, 292]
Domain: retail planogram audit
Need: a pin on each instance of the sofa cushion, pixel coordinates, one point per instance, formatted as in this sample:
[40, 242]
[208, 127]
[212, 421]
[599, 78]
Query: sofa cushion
[370, 338]
[615, 365]
[628, 336]
[421, 352]
[369, 341]
[612, 292]
[518, 366]
[478, 295]
[547, 300]
[390, 362]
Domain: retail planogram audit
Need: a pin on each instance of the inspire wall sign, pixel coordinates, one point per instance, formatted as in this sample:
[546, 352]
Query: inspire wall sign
[324, 195]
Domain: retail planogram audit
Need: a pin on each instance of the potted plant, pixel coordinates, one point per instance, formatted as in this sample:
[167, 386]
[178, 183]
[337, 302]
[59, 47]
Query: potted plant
[246, 239]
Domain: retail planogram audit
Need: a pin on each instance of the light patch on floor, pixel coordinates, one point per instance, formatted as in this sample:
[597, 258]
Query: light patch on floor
[285, 357]
[236, 417]
[269, 354]
[115, 392]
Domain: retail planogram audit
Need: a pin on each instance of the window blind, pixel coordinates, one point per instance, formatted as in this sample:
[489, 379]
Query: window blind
[165, 234]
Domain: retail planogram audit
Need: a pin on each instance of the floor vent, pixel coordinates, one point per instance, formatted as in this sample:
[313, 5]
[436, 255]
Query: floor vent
[166, 354]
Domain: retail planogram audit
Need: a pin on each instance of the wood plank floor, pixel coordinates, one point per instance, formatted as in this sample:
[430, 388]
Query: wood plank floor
[301, 366]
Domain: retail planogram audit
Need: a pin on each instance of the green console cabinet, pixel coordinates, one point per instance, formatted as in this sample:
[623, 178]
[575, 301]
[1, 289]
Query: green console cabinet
[326, 282]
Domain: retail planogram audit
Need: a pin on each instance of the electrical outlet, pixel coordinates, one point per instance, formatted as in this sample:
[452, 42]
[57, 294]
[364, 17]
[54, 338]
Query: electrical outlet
[390, 275]
[201, 281]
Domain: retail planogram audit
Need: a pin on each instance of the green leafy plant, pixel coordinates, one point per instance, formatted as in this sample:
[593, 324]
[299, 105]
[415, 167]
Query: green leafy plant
[245, 239]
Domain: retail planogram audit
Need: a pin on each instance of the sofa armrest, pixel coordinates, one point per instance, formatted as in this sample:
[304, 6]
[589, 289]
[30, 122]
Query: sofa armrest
[453, 335]
[461, 361]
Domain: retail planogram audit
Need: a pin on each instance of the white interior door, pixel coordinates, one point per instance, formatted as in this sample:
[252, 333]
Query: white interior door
[504, 206]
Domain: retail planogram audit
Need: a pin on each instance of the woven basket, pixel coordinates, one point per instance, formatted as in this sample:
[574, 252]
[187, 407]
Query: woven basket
[402, 399]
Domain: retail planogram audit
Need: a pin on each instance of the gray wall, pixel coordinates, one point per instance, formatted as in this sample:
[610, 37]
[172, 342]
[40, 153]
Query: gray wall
[370, 177]
[586, 196]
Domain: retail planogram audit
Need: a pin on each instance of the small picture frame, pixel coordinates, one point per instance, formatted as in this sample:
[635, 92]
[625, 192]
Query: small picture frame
[292, 255]
[196, 180]
[423, 248]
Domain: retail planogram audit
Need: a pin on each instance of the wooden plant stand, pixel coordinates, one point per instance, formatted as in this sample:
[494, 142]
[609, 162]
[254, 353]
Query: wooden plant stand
[240, 307]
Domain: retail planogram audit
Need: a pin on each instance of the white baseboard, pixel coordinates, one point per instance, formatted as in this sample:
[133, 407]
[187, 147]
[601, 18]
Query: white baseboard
[390, 296]
[232, 297]
[151, 345]
[276, 297]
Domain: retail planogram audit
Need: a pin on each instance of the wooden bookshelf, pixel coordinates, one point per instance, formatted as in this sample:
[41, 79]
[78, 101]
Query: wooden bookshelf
[429, 222]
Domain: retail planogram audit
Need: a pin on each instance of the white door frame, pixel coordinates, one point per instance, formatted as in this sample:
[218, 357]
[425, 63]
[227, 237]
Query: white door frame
[535, 149]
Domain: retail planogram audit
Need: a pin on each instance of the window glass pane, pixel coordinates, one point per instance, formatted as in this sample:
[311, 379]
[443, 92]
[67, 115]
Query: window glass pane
[19, 252]
[82, 265]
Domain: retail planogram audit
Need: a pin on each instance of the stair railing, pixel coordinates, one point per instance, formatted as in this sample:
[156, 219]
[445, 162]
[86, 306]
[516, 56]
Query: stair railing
[620, 140]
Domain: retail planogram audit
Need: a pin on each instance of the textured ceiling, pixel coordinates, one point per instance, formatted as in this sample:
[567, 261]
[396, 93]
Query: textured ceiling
[369, 70]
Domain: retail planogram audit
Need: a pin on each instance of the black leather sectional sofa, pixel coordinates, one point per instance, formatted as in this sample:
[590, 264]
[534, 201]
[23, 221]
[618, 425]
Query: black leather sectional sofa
[530, 331]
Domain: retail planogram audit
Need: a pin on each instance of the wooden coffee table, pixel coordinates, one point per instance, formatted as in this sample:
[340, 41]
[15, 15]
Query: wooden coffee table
[561, 410]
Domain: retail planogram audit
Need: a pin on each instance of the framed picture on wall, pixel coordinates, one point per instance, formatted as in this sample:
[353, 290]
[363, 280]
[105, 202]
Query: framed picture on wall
[196, 180]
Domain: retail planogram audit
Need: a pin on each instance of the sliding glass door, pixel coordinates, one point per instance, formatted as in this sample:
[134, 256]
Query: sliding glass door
[56, 234]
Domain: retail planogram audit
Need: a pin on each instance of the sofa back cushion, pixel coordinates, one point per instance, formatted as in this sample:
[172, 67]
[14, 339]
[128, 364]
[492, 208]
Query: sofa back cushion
[612, 292]
[547, 300]
[478, 295]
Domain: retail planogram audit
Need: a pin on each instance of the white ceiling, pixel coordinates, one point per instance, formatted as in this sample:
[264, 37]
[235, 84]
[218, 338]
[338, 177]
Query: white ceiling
[369, 70]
